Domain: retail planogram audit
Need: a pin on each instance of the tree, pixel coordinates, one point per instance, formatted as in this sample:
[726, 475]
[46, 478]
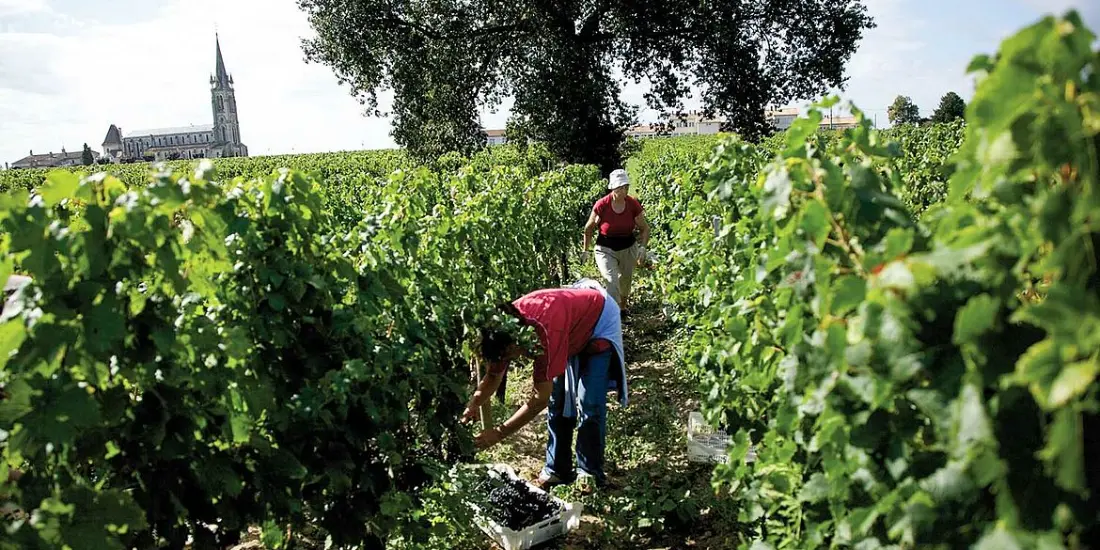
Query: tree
[903, 111]
[517, 131]
[952, 107]
[86, 157]
[561, 61]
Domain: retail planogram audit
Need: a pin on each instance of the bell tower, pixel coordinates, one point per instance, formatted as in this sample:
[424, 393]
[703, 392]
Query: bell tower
[223, 102]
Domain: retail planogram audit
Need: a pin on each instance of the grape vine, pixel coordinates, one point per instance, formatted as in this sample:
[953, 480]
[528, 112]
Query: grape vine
[201, 354]
[915, 380]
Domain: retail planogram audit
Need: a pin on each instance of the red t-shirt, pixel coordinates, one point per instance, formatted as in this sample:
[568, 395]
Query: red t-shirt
[564, 319]
[617, 223]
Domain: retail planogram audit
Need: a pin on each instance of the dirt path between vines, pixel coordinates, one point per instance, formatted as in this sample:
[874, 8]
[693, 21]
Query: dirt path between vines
[658, 500]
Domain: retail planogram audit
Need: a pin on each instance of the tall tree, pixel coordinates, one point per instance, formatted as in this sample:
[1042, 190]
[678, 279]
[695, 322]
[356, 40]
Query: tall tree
[952, 107]
[903, 111]
[86, 157]
[561, 61]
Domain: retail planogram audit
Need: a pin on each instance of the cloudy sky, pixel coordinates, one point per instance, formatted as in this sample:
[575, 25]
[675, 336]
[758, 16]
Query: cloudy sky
[70, 68]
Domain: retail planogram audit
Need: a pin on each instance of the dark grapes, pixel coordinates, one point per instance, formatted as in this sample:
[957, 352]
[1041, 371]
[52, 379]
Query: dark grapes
[513, 503]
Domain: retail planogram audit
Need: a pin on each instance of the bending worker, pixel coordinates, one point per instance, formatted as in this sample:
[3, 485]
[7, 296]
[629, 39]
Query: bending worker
[578, 359]
[618, 250]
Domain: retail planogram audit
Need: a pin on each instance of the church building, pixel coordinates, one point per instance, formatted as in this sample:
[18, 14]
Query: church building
[217, 140]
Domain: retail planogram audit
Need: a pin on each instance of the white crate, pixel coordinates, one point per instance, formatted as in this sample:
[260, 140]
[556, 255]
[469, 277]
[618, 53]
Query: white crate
[555, 526]
[710, 445]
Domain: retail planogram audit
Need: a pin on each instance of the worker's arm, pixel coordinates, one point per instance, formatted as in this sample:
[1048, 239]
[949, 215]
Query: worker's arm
[589, 229]
[643, 229]
[535, 404]
[484, 392]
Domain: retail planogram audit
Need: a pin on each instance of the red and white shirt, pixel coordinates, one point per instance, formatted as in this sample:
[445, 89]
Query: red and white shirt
[564, 320]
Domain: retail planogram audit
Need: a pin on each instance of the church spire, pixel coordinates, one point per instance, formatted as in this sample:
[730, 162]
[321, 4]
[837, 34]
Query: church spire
[220, 76]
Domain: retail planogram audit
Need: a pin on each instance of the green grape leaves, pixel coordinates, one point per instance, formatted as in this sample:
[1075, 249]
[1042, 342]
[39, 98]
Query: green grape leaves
[256, 346]
[911, 316]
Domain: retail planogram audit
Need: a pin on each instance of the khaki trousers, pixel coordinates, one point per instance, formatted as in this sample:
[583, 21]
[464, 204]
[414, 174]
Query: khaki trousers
[617, 269]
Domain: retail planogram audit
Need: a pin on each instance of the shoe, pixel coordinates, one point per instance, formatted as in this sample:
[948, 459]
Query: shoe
[587, 484]
[547, 482]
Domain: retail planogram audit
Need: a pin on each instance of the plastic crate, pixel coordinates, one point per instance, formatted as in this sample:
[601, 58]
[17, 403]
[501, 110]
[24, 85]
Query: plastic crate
[566, 520]
[710, 445]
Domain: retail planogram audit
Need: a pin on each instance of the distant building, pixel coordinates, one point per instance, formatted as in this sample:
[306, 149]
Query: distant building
[643, 131]
[52, 160]
[220, 139]
[838, 122]
[781, 119]
[694, 122]
[495, 137]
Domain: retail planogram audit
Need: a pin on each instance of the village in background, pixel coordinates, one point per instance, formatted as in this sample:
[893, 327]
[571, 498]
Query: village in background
[222, 138]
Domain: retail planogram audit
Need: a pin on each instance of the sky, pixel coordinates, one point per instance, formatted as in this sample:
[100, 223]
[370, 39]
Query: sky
[71, 68]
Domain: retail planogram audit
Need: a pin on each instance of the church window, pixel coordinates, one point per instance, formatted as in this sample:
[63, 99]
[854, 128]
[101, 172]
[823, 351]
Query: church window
[221, 103]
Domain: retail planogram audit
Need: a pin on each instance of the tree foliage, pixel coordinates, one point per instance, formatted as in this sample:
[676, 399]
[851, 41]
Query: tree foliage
[86, 157]
[561, 62]
[952, 107]
[903, 111]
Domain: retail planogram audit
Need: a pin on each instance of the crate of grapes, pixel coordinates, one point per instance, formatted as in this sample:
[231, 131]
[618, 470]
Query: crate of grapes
[708, 444]
[515, 513]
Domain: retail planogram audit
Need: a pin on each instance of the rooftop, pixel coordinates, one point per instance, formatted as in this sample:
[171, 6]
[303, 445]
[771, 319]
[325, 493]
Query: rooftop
[47, 159]
[785, 111]
[113, 136]
[194, 128]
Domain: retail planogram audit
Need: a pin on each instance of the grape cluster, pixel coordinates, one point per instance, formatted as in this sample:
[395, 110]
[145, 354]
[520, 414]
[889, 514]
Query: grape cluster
[512, 503]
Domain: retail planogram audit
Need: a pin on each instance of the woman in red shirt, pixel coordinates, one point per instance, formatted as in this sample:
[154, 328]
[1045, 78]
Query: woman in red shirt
[618, 250]
[578, 360]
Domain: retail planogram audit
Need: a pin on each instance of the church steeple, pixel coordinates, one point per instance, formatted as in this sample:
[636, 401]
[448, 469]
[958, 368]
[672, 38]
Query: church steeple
[223, 103]
[221, 78]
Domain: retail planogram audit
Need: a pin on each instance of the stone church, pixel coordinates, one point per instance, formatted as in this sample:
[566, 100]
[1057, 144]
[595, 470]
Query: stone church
[217, 140]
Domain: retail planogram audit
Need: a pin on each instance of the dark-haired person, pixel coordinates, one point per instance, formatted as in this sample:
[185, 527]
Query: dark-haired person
[618, 250]
[579, 360]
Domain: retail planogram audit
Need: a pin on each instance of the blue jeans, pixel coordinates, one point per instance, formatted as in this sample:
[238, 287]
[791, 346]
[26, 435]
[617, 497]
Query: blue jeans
[592, 417]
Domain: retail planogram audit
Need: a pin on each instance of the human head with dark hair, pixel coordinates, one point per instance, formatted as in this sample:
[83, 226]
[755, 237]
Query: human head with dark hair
[497, 344]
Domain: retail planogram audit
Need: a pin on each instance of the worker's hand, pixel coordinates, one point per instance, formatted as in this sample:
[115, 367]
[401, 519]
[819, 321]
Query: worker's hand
[471, 414]
[584, 256]
[488, 438]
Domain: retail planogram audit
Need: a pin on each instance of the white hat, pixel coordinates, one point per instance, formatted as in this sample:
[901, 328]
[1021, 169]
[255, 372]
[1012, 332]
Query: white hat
[617, 179]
